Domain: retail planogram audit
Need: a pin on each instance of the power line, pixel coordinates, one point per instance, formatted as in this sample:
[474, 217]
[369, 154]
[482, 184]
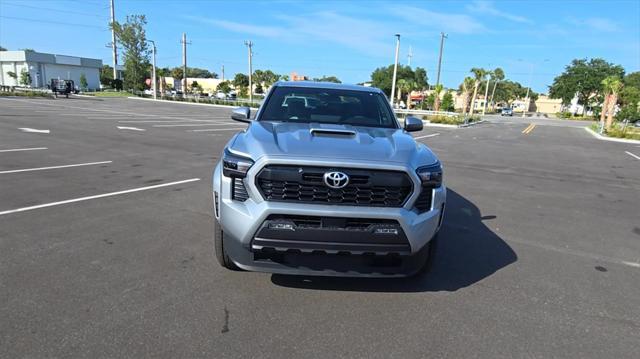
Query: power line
[53, 22]
[56, 10]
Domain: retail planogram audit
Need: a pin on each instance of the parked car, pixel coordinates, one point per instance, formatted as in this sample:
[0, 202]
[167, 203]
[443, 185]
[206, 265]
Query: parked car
[336, 189]
[506, 111]
[221, 95]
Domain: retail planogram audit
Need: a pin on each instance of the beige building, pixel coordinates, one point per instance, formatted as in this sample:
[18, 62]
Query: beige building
[545, 104]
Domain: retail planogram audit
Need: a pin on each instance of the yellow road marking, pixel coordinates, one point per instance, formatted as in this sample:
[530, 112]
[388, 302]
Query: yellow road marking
[529, 129]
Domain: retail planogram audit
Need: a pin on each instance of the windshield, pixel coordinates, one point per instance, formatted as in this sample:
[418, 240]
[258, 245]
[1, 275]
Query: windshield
[344, 107]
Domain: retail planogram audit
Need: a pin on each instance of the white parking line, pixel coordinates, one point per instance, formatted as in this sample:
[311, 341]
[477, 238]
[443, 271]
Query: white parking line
[27, 129]
[130, 128]
[23, 209]
[198, 124]
[54, 167]
[431, 135]
[633, 155]
[219, 129]
[24, 149]
[173, 121]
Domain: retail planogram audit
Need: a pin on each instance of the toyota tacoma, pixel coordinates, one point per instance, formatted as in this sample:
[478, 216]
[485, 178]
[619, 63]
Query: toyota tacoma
[326, 181]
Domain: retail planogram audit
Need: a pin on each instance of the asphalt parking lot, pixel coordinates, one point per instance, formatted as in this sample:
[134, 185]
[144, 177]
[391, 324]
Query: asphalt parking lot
[106, 246]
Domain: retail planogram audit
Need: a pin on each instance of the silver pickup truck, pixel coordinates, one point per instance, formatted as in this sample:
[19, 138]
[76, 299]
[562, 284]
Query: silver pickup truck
[326, 181]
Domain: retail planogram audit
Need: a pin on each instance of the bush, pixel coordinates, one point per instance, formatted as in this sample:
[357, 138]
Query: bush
[26, 93]
[450, 120]
[617, 131]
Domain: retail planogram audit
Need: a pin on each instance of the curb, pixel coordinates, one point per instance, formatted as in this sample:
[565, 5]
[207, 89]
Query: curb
[605, 138]
[182, 102]
[472, 123]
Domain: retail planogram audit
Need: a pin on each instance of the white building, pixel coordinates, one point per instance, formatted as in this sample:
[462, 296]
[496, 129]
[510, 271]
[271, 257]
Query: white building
[44, 67]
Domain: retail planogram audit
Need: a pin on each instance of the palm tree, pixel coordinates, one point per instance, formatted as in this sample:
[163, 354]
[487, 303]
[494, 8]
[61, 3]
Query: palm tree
[466, 87]
[612, 86]
[405, 85]
[497, 75]
[436, 96]
[479, 74]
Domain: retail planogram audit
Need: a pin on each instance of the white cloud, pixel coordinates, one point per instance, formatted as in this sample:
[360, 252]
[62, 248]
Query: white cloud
[453, 23]
[266, 31]
[326, 26]
[487, 8]
[596, 24]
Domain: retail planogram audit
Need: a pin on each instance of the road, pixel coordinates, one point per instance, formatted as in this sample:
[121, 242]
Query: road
[106, 246]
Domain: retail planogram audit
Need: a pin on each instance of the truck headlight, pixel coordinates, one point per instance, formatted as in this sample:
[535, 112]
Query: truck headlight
[431, 176]
[234, 165]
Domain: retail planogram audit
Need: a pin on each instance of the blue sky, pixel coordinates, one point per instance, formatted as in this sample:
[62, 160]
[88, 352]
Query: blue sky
[532, 41]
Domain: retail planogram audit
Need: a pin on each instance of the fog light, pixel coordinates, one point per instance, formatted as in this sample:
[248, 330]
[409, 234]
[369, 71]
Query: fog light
[386, 231]
[284, 226]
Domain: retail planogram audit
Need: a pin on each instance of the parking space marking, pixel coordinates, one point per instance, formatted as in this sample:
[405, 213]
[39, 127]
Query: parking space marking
[218, 129]
[24, 209]
[27, 129]
[54, 167]
[24, 149]
[130, 128]
[632, 155]
[427, 136]
[198, 124]
[171, 121]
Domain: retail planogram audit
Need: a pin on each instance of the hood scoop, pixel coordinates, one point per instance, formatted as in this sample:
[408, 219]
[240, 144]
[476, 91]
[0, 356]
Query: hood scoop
[331, 132]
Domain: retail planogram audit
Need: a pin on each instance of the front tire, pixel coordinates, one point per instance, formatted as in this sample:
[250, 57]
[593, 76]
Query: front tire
[221, 254]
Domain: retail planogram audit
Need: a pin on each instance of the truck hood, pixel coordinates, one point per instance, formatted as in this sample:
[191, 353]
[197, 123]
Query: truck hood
[331, 141]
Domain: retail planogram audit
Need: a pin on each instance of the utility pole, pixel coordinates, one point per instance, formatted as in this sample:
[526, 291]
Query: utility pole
[113, 42]
[526, 98]
[442, 37]
[395, 70]
[249, 45]
[153, 70]
[184, 62]
[409, 56]
[222, 72]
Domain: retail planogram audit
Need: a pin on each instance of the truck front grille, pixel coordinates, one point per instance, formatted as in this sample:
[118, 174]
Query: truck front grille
[375, 188]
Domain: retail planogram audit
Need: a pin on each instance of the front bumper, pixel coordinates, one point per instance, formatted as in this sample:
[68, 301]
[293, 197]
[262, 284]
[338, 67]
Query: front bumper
[241, 222]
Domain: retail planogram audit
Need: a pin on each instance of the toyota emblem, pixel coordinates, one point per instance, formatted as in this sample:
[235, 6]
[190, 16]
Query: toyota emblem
[336, 180]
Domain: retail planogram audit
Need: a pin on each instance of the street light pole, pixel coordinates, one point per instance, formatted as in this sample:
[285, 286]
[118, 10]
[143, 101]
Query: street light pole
[153, 71]
[395, 70]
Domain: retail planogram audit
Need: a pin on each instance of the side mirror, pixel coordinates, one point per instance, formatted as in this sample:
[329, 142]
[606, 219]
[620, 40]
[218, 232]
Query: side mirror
[412, 124]
[242, 114]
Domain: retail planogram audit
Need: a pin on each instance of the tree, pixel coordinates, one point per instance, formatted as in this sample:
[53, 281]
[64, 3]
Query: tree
[196, 87]
[259, 89]
[436, 98]
[447, 102]
[284, 77]
[479, 75]
[25, 78]
[241, 82]
[132, 36]
[383, 76]
[12, 74]
[611, 88]
[106, 75]
[630, 98]
[200, 73]
[177, 72]
[406, 85]
[83, 82]
[224, 87]
[583, 78]
[2, 48]
[328, 79]
[497, 75]
[466, 87]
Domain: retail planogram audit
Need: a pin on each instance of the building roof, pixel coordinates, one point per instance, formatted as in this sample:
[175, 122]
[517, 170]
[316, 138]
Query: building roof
[32, 56]
[326, 85]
